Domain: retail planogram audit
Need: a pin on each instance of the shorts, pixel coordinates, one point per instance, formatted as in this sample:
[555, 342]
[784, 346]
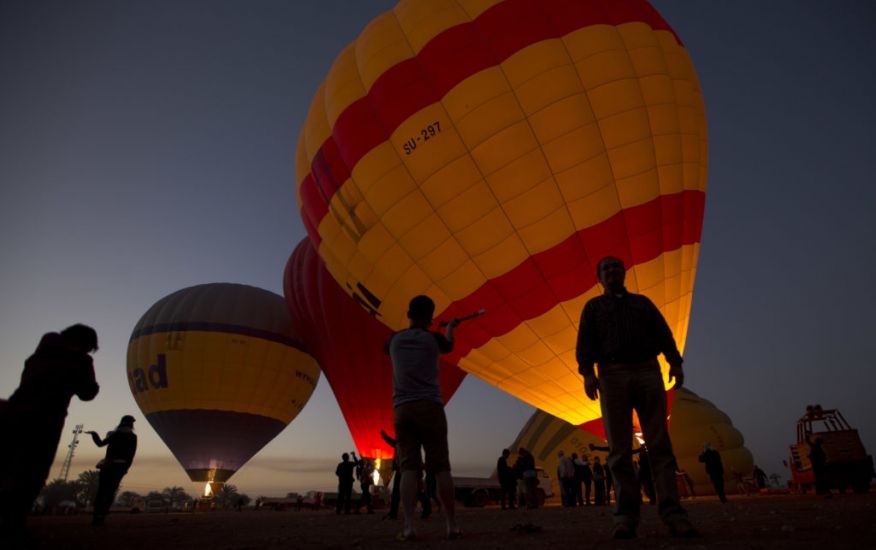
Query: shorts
[422, 424]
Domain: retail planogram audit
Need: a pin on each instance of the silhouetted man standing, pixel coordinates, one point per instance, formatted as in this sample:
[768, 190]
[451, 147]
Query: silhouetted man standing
[420, 422]
[344, 471]
[507, 479]
[33, 418]
[364, 472]
[121, 446]
[818, 460]
[715, 468]
[622, 334]
[395, 498]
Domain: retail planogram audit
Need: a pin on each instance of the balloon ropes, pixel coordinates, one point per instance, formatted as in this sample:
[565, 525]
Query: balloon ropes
[219, 371]
[489, 153]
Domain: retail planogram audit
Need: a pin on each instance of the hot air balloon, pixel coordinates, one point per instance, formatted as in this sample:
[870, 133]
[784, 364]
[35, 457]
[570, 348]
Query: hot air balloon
[219, 371]
[349, 345]
[694, 421]
[489, 153]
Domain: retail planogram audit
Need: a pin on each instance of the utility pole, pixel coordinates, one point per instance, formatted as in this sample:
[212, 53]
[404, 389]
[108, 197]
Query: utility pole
[65, 467]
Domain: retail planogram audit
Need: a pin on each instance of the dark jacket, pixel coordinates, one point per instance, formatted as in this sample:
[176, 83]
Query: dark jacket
[712, 460]
[344, 471]
[121, 446]
[51, 377]
[623, 329]
[505, 473]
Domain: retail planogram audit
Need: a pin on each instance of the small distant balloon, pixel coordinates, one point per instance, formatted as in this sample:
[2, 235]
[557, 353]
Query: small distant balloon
[219, 370]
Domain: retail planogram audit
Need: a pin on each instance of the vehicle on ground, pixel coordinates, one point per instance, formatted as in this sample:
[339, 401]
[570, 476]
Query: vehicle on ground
[480, 491]
[848, 464]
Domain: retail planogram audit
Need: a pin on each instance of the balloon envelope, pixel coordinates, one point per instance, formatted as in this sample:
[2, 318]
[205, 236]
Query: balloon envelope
[349, 345]
[488, 153]
[695, 421]
[218, 371]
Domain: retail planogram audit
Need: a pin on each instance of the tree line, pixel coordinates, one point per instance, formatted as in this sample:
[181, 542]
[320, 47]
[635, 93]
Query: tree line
[80, 493]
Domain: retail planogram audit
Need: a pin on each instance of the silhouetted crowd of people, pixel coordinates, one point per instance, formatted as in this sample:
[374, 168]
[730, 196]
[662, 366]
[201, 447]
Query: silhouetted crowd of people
[620, 337]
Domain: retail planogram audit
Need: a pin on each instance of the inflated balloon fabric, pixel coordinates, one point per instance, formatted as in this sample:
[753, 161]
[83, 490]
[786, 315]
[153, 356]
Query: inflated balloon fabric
[219, 371]
[489, 153]
[349, 345]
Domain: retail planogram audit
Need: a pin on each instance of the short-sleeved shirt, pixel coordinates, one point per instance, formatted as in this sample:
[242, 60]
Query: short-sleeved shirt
[415, 355]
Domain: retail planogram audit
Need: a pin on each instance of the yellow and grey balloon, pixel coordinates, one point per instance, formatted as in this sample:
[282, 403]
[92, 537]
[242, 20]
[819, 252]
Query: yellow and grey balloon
[218, 371]
[694, 421]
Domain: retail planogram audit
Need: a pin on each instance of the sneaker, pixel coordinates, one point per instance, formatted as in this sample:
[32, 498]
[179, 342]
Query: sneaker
[624, 531]
[683, 529]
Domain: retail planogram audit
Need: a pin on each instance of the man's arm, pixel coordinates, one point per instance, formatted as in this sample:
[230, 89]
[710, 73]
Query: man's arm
[585, 351]
[97, 440]
[389, 440]
[668, 347]
[86, 386]
[445, 343]
[387, 344]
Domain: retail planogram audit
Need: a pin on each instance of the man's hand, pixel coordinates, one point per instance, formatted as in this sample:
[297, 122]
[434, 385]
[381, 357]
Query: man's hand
[591, 386]
[453, 323]
[676, 372]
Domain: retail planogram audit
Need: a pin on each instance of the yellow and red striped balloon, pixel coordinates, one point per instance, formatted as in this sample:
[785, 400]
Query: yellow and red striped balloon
[488, 153]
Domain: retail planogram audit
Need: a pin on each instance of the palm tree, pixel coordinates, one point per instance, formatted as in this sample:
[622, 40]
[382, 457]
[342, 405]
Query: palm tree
[129, 498]
[175, 496]
[227, 496]
[155, 496]
[89, 480]
[58, 491]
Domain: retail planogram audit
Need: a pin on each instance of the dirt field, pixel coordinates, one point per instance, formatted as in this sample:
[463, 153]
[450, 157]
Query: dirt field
[845, 521]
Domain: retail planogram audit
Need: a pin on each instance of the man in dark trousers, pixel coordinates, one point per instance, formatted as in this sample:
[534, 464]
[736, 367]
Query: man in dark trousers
[579, 479]
[420, 422]
[121, 446]
[586, 479]
[818, 459]
[507, 479]
[598, 482]
[396, 482]
[365, 471]
[33, 419]
[622, 334]
[646, 480]
[344, 471]
[715, 468]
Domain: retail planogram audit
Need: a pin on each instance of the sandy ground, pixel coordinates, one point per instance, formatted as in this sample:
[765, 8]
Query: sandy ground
[845, 521]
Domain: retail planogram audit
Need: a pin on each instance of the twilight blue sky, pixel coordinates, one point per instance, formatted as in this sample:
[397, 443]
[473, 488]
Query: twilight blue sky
[149, 146]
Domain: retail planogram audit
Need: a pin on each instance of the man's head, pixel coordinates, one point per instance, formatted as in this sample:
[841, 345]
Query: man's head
[80, 337]
[596, 460]
[611, 273]
[506, 453]
[421, 309]
[127, 420]
[345, 457]
[561, 454]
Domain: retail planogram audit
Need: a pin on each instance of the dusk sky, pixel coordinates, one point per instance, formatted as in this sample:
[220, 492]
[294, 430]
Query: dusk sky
[150, 146]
